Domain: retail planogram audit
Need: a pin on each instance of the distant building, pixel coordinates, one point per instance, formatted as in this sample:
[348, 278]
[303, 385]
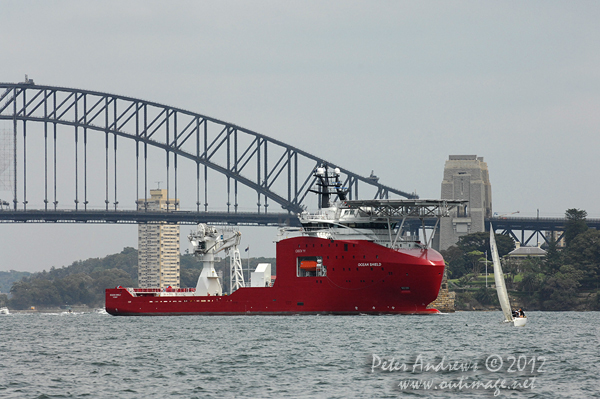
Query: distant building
[519, 254]
[466, 177]
[524, 252]
[158, 245]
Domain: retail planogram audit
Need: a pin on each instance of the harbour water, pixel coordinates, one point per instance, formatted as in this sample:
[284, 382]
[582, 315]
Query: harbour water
[465, 354]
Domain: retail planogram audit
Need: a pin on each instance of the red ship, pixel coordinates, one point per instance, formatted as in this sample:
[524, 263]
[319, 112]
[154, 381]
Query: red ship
[352, 257]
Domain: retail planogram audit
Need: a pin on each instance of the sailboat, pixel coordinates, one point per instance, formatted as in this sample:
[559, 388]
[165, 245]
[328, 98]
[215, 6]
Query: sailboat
[501, 286]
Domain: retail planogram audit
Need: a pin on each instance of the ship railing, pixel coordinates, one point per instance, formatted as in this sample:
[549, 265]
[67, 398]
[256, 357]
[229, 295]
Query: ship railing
[175, 293]
[327, 215]
[289, 232]
[401, 244]
[162, 291]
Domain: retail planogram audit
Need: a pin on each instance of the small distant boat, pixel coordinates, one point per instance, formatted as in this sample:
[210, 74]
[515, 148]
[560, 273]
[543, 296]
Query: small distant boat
[4, 311]
[501, 286]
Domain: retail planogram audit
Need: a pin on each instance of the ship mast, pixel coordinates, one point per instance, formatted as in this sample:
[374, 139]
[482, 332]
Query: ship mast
[326, 188]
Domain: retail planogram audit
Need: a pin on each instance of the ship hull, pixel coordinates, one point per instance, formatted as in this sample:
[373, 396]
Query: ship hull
[361, 278]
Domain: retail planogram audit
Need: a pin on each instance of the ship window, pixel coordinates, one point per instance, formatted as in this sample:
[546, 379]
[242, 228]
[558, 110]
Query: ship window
[310, 266]
[345, 247]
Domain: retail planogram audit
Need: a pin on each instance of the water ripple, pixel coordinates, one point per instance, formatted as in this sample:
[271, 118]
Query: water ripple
[93, 355]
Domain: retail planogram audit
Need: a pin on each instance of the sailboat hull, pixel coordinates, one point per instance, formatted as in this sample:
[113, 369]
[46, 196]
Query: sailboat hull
[520, 321]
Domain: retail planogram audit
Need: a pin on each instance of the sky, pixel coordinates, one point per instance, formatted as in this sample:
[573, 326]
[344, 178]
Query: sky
[393, 87]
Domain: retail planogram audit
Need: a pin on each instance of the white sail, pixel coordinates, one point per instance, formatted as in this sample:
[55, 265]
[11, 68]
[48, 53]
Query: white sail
[499, 278]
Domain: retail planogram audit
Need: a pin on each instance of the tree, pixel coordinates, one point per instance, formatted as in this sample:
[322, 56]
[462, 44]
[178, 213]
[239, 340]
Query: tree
[37, 291]
[584, 254]
[553, 259]
[559, 291]
[481, 242]
[475, 258]
[455, 262]
[3, 300]
[575, 224]
[511, 268]
[486, 296]
[104, 279]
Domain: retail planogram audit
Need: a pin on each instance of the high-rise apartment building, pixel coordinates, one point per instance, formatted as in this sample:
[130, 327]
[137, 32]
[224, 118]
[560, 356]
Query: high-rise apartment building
[158, 245]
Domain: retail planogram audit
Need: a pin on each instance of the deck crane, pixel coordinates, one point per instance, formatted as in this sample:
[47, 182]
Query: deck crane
[207, 241]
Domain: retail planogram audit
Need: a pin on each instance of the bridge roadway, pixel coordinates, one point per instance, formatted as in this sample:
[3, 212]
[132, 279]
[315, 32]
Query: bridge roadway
[132, 216]
[508, 225]
[533, 225]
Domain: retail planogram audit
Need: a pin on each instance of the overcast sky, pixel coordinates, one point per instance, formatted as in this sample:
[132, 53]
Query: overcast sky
[390, 86]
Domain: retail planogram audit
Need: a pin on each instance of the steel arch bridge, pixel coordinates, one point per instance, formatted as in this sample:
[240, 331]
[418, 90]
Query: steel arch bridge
[79, 154]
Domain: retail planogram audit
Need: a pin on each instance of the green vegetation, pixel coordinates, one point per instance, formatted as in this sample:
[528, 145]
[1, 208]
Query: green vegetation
[3, 300]
[8, 278]
[84, 282]
[467, 256]
[565, 279]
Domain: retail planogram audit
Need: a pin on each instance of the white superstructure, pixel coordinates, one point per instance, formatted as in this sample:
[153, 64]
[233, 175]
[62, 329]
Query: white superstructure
[207, 241]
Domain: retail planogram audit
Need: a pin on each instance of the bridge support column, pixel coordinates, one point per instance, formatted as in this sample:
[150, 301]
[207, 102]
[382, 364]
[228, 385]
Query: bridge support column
[466, 177]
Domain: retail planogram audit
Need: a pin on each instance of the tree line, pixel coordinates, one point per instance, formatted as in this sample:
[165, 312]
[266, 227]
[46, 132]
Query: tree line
[564, 279]
[84, 282]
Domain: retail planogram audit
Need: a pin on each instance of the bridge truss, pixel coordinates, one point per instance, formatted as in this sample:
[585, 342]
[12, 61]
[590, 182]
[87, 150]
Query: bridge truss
[77, 151]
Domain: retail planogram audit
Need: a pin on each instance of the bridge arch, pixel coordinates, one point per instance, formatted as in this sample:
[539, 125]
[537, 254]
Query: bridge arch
[275, 171]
